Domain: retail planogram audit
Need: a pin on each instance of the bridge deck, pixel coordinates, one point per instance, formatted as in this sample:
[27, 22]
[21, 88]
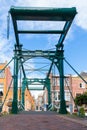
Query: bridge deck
[40, 121]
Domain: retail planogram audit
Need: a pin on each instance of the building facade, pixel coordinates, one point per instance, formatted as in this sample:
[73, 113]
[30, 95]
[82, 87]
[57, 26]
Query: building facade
[5, 80]
[39, 102]
[6, 91]
[73, 86]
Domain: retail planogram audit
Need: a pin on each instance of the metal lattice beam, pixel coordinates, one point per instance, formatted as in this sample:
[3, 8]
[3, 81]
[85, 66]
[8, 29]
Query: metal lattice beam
[36, 80]
[40, 32]
[51, 55]
[36, 88]
[42, 14]
[47, 14]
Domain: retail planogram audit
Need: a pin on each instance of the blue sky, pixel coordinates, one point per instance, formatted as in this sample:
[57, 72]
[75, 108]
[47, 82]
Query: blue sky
[75, 44]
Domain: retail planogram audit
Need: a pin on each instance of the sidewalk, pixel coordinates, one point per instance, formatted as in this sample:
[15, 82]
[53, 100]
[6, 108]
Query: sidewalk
[75, 119]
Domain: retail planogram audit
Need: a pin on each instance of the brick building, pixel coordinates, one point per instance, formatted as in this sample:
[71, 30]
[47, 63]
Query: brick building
[39, 102]
[73, 86]
[5, 81]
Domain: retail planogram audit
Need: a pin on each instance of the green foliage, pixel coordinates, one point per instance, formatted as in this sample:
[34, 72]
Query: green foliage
[81, 99]
[74, 114]
[82, 112]
[54, 109]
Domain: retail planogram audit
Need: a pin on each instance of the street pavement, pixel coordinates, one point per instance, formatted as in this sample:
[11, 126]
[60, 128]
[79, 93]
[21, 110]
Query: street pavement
[41, 121]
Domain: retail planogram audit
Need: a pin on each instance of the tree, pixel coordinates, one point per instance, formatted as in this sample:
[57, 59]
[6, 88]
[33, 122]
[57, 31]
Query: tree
[81, 99]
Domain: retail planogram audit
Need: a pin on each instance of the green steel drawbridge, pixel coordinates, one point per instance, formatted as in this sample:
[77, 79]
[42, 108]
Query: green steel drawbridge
[56, 57]
[36, 81]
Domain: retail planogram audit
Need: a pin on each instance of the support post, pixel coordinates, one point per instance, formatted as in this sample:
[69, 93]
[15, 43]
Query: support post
[49, 91]
[24, 86]
[15, 83]
[62, 109]
[23, 91]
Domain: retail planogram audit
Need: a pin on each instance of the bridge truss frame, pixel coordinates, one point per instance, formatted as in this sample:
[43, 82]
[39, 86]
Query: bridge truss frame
[56, 57]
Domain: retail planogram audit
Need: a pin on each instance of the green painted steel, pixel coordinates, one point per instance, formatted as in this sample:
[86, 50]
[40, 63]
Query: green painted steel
[45, 82]
[49, 91]
[26, 82]
[37, 80]
[42, 14]
[51, 14]
[63, 35]
[15, 83]
[35, 88]
[62, 96]
[1, 70]
[40, 31]
[76, 71]
[50, 55]
[24, 86]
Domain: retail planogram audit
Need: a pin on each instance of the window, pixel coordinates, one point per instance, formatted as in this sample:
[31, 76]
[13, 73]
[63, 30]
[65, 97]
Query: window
[57, 96]
[1, 93]
[54, 82]
[58, 82]
[82, 85]
[1, 87]
[67, 96]
[66, 82]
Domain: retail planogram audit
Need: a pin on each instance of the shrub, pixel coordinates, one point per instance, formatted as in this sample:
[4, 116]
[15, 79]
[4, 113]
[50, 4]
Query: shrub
[82, 112]
[54, 109]
[81, 99]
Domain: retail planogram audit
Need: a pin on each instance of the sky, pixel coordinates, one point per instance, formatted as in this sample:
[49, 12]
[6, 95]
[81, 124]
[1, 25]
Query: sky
[75, 44]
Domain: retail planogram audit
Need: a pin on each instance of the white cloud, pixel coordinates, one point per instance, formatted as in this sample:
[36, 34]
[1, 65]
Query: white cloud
[81, 6]
[6, 47]
[45, 3]
[80, 19]
[81, 16]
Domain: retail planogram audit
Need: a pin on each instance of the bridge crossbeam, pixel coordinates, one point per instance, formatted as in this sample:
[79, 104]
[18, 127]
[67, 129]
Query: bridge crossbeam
[39, 53]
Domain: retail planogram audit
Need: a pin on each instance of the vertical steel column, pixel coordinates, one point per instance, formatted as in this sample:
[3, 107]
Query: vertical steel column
[15, 83]
[49, 91]
[62, 109]
[24, 86]
[23, 91]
